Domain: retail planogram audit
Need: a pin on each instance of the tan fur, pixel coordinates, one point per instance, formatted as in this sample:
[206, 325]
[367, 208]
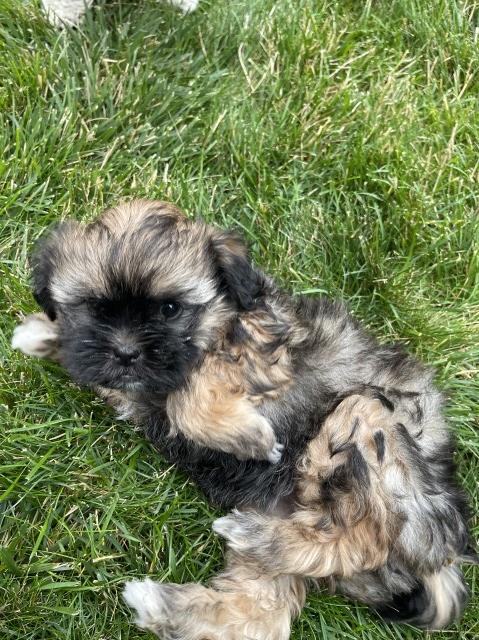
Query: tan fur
[125, 217]
[214, 414]
[373, 509]
[220, 408]
[184, 268]
[302, 545]
[241, 604]
[355, 421]
[353, 534]
[37, 336]
[318, 541]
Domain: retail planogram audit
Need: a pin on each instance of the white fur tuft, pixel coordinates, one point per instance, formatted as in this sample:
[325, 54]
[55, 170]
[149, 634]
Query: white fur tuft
[146, 598]
[36, 336]
[448, 596]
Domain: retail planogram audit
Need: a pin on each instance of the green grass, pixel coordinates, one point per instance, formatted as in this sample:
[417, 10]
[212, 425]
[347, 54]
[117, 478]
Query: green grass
[341, 137]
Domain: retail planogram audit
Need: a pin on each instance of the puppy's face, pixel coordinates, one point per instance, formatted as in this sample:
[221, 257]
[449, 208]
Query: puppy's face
[141, 293]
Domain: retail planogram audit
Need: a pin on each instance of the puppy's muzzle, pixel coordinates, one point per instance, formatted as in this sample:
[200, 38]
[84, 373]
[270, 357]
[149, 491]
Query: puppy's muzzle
[125, 355]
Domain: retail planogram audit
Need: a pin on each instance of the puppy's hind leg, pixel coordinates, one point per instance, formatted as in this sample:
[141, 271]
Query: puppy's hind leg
[344, 522]
[37, 336]
[241, 604]
[378, 515]
[306, 544]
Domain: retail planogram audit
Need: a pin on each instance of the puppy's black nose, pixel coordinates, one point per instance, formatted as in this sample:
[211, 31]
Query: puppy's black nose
[126, 354]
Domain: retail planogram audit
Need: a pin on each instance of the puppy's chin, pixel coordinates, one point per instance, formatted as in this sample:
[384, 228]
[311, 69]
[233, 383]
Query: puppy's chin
[145, 387]
[127, 383]
[146, 383]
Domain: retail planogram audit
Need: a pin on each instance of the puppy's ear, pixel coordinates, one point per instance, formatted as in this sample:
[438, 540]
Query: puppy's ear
[43, 261]
[236, 273]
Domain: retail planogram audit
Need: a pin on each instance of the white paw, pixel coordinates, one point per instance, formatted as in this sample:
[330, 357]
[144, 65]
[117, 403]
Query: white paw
[36, 336]
[264, 445]
[233, 529]
[65, 12]
[274, 456]
[145, 596]
[187, 6]
[125, 410]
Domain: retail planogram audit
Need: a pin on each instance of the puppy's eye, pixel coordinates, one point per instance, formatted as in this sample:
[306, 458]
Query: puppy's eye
[170, 309]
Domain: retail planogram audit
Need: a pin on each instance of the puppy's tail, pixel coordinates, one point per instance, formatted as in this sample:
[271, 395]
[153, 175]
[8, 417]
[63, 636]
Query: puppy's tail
[437, 601]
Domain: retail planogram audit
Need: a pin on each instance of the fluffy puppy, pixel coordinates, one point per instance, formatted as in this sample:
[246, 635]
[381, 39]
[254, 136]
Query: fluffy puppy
[139, 299]
[70, 12]
[168, 319]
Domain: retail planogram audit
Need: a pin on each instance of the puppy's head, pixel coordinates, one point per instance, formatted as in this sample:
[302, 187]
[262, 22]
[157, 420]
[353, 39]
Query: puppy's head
[141, 293]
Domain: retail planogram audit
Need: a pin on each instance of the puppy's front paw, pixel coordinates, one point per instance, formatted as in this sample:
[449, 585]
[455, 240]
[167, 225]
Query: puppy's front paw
[36, 336]
[274, 456]
[263, 443]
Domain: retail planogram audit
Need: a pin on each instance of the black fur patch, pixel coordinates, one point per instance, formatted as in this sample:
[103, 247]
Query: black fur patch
[380, 445]
[237, 277]
[90, 334]
[44, 299]
[324, 523]
[384, 401]
[419, 413]
[344, 446]
[408, 607]
[359, 469]
[407, 437]
[339, 481]
[353, 475]
[42, 268]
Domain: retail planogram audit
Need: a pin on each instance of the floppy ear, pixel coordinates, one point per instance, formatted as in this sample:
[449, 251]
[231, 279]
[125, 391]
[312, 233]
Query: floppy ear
[42, 267]
[43, 262]
[243, 283]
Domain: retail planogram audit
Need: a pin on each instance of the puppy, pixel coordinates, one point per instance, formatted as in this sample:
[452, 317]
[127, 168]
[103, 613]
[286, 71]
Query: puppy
[70, 12]
[139, 300]
[171, 322]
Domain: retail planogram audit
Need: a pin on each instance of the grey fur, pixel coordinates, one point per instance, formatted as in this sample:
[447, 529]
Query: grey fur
[329, 358]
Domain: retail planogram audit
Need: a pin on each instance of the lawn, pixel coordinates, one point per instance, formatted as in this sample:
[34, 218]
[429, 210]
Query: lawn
[340, 137]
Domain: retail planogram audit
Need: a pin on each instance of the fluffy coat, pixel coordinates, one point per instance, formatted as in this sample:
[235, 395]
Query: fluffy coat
[333, 446]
